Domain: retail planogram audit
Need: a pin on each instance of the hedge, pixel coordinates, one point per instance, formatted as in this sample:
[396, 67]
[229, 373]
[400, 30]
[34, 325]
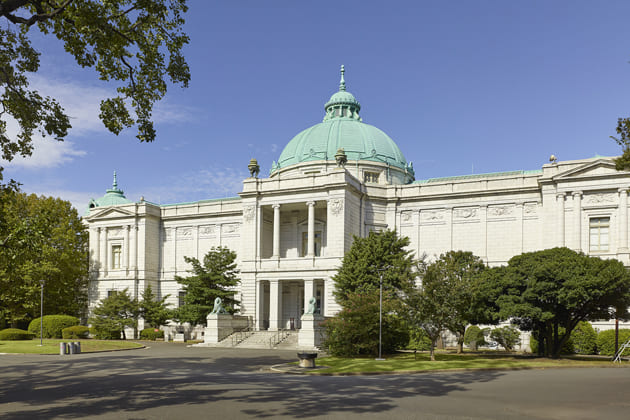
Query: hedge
[151, 334]
[606, 342]
[52, 325]
[76, 331]
[13, 334]
[103, 334]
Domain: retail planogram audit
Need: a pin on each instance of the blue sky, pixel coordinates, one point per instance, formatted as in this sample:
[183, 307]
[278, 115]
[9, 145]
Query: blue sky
[461, 86]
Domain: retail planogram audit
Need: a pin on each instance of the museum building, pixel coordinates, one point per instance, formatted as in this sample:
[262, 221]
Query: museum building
[341, 178]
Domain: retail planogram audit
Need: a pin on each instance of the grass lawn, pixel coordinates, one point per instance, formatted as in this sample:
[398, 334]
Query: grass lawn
[408, 362]
[51, 346]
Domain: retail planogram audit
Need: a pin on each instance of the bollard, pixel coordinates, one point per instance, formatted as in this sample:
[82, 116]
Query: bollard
[78, 346]
[71, 348]
[62, 349]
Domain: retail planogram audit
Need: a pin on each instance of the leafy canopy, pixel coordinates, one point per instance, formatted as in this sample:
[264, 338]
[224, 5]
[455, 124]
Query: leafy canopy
[137, 44]
[551, 291]
[41, 238]
[369, 257]
[216, 277]
[115, 313]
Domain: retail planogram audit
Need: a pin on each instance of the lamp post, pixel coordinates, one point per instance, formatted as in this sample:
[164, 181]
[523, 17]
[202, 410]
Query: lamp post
[41, 312]
[380, 311]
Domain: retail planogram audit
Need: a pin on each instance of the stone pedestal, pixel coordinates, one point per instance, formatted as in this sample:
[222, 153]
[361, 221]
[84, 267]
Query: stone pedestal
[310, 335]
[218, 327]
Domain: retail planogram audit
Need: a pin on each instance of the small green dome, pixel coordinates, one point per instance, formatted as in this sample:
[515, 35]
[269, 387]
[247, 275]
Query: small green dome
[113, 196]
[342, 128]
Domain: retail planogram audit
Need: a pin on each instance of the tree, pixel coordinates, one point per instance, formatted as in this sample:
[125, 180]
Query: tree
[378, 253]
[154, 311]
[354, 330]
[622, 163]
[507, 337]
[41, 238]
[127, 41]
[549, 292]
[215, 278]
[114, 314]
[428, 307]
[457, 270]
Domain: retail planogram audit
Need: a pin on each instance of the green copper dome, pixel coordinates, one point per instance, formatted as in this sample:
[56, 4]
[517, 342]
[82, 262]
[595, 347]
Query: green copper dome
[112, 197]
[342, 128]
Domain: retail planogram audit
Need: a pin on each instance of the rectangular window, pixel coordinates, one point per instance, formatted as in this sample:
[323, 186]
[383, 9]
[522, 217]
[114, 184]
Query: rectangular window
[370, 177]
[180, 299]
[318, 243]
[116, 256]
[598, 233]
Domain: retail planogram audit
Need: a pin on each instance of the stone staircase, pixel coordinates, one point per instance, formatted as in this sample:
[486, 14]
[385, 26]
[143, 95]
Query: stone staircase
[262, 340]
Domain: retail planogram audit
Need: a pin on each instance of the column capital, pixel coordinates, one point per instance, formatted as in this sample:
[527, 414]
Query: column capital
[623, 190]
[275, 206]
[310, 203]
[577, 193]
[561, 195]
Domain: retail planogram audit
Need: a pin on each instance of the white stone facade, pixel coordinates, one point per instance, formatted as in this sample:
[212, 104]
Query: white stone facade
[580, 204]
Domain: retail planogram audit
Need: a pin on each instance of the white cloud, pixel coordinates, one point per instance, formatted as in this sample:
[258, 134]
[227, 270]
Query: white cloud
[82, 103]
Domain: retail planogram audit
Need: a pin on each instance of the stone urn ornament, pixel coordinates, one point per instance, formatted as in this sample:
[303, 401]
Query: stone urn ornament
[254, 168]
[341, 158]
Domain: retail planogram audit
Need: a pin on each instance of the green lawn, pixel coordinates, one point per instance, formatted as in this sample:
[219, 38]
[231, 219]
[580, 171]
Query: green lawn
[51, 346]
[408, 362]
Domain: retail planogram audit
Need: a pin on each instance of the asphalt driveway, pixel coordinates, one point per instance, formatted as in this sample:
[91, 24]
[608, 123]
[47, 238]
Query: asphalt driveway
[172, 381]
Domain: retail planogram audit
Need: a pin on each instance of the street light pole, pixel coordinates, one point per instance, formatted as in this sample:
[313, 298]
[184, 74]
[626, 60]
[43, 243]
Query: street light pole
[41, 313]
[380, 316]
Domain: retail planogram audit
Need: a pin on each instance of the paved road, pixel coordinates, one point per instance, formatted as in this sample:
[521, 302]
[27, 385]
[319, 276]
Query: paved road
[171, 381]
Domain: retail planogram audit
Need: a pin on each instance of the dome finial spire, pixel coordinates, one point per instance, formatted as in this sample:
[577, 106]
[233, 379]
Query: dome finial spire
[342, 83]
[115, 184]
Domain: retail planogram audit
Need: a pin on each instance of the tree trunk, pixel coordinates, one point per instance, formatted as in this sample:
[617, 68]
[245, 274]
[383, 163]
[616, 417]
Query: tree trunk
[432, 350]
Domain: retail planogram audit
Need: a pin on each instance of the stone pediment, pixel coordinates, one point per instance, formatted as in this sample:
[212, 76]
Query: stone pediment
[596, 169]
[109, 213]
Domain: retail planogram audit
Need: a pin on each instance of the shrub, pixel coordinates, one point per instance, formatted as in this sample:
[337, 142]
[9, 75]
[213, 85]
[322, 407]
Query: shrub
[606, 342]
[474, 337]
[584, 338]
[354, 330]
[507, 337]
[12, 334]
[105, 334]
[52, 325]
[76, 331]
[151, 334]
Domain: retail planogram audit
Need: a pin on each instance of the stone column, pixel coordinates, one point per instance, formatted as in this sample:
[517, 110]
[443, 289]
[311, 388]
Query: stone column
[126, 249]
[133, 250]
[577, 220]
[104, 251]
[97, 251]
[623, 220]
[560, 201]
[275, 305]
[311, 229]
[260, 304]
[276, 231]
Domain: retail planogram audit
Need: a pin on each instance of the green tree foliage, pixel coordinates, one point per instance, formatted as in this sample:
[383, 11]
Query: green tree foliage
[555, 289]
[216, 277]
[474, 337]
[507, 337]
[52, 325]
[359, 271]
[622, 163]
[354, 330]
[114, 314]
[457, 270]
[584, 338]
[137, 44]
[154, 311]
[41, 238]
[606, 342]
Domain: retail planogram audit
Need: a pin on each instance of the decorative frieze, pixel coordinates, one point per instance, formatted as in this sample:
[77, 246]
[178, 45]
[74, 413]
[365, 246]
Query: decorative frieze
[405, 217]
[115, 232]
[432, 216]
[230, 228]
[184, 233]
[336, 205]
[207, 231]
[248, 213]
[501, 211]
[600, 198]
[465, 213]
